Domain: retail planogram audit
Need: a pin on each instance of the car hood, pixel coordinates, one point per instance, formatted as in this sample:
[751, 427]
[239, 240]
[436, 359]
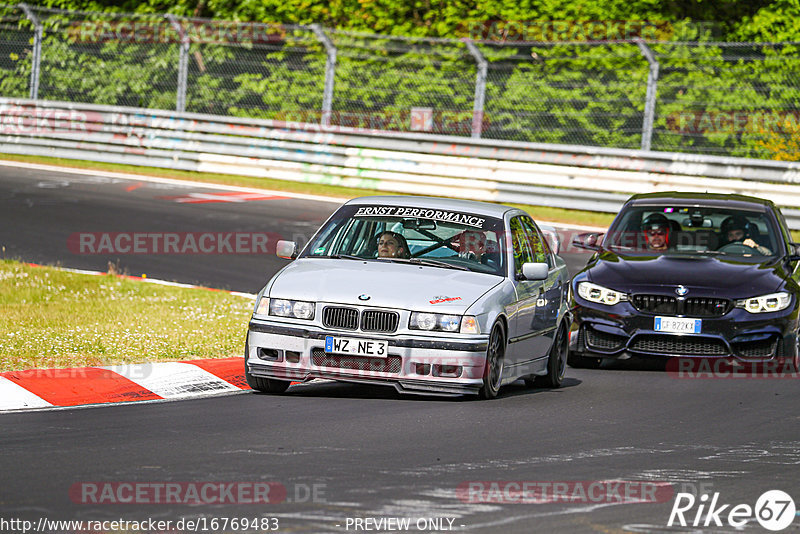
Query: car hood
[714, 276]
[388, 285]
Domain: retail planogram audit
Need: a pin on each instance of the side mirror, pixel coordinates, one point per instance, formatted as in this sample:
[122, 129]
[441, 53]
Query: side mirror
[535, 271]
[286, 249]
[794, 255]
[587, 241]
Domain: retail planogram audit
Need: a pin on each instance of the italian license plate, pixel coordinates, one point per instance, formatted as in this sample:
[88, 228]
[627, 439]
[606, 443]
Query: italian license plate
[678, 325]
[357, 347]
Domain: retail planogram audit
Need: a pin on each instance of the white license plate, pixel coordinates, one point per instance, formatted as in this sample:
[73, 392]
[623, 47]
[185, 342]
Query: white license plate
[358, 347]
[678, 325]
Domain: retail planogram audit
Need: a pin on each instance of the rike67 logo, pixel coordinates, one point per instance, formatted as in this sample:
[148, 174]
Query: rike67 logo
[774, 510]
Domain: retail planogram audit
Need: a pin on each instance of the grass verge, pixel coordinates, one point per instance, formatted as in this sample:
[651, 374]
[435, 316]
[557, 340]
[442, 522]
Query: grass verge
[542, 213]
[54, 319]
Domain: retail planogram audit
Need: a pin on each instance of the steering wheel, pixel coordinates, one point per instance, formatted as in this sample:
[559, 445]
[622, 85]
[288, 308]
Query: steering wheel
[738, 248]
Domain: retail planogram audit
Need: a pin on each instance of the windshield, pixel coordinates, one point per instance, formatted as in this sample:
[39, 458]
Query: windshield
[439, 238]
[694, 230]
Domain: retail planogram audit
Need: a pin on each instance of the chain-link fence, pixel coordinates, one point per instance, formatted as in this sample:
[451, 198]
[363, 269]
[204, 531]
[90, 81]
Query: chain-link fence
[739, 99]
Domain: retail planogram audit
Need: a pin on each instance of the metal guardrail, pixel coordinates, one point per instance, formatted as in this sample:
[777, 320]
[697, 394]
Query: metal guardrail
[573, 177]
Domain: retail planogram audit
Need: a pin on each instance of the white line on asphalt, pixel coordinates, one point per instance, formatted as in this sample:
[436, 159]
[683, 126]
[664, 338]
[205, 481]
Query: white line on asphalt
[171, 181]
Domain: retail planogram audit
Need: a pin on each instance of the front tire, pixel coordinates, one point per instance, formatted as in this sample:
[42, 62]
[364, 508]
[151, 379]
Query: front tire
[556, 362]
[495, 359]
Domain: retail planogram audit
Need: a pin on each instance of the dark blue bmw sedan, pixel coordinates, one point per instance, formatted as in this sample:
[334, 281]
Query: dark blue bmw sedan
[690, 275]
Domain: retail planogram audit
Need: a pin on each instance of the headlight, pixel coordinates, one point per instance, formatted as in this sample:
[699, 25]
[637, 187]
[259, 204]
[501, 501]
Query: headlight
[303, 310]
[299, 309]
[443, 323]
[601, 295]
[766, 303]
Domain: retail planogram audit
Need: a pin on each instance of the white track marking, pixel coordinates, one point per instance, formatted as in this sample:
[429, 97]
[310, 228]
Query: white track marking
[173, 379]
[16, 397]
[171, 181]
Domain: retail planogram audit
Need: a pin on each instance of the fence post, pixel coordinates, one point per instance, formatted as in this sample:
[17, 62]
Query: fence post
[37, 50]
[330, 71]
[480, 88]
[650, 97]
[183, 63]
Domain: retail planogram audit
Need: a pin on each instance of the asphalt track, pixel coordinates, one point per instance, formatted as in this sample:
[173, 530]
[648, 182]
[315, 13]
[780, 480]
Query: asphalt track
[367, 451]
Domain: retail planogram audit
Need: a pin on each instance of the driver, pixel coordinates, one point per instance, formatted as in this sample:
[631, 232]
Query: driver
[734, 230]
[392, 245]
[656, 230]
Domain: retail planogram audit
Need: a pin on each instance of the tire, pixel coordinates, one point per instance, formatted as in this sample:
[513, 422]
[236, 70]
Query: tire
[556, 362]
[264, 385]
[578, 361]
[495, 359]
[792, 363]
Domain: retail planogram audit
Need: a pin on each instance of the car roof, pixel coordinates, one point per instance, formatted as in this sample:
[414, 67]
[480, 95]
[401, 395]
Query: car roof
[470, 206]
[743, 202]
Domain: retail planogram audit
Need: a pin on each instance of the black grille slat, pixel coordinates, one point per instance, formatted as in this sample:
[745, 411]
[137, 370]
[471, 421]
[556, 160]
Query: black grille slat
[338, 317]
[390, 364]
[706, 307]
[379, 321]
[694, 306]
[679, 345]
[655, 304]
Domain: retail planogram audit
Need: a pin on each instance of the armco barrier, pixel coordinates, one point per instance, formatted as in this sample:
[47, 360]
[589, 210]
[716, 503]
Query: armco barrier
[576, 177]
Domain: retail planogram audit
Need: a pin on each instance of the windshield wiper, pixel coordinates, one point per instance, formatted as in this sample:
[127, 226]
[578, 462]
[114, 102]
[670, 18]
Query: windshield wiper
[437, 263]
[344, 257]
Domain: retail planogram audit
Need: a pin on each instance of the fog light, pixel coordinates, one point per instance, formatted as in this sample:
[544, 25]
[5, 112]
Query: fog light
[422, 368]
[292, 356]
[447, 371]
[269, 354]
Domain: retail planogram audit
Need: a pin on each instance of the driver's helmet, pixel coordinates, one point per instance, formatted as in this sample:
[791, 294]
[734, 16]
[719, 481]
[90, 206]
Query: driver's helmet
[656, 222]
[734, 222]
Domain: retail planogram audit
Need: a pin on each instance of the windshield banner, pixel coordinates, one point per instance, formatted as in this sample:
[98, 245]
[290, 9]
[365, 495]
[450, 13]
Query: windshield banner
[437, 215]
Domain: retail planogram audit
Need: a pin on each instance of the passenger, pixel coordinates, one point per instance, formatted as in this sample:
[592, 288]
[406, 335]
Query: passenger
[734, 230]
[472, 245]
[392, 245]
[656, 228]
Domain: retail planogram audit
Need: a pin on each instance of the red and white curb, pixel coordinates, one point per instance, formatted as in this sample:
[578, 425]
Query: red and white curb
[80, 386]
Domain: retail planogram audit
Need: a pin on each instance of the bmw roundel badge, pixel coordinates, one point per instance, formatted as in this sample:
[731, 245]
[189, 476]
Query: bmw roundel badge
[364, 297]
[681, 290]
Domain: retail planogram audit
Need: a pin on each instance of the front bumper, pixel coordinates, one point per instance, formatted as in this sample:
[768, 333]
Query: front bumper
[415, 363]
[620, 331]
